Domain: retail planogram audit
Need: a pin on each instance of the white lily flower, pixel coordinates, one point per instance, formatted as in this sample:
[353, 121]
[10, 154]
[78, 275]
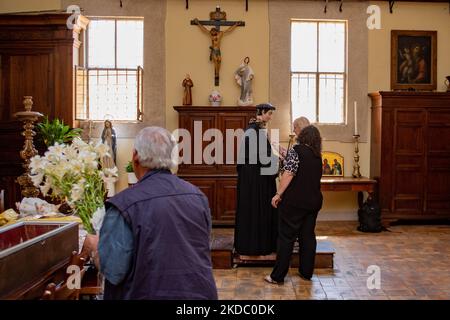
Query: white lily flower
[45, 188]
[111, 172]
[37, 179]
[77, 192]
[71, 172]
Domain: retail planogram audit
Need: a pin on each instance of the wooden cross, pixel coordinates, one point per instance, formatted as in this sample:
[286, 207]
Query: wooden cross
[218, 19]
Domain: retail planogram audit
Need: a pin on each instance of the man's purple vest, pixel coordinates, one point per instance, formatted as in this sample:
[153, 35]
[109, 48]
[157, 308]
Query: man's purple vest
[171, 224]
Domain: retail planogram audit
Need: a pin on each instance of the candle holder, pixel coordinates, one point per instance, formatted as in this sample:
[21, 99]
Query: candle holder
[28, 117]
[356, 173]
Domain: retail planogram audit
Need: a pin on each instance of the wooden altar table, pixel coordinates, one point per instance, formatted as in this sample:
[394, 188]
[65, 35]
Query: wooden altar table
[359, 185]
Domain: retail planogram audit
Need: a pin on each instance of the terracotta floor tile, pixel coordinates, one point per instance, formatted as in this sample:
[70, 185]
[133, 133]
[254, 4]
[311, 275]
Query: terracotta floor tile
[406, 272]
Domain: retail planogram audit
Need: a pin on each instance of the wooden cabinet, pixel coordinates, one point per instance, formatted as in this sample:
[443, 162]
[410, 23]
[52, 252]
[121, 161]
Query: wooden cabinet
[38, 55]
[217, 179]
[410, 153]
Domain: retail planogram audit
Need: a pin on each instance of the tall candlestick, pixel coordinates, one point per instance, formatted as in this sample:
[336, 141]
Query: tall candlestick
[356, 119]
[29, 118]
[356, 173]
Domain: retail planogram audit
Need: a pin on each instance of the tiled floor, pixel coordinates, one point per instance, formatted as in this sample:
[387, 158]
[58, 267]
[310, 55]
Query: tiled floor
[414, 263]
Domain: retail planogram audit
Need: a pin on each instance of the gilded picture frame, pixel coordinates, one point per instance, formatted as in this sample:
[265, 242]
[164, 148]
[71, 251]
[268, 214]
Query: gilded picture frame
[332, 164]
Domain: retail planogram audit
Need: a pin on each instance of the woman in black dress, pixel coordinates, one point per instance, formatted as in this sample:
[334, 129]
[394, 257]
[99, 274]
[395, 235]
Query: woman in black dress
[299, 200]
[256, 220]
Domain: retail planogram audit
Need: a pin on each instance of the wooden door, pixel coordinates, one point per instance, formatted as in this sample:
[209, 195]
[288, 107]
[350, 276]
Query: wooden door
[208, 187]
[196, 124]
[437, 201]
[27, 75]
[409, 164]
[226, 200]
[232, 127]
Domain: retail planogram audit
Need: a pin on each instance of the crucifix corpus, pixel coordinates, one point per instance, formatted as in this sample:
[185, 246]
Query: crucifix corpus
[218, 19]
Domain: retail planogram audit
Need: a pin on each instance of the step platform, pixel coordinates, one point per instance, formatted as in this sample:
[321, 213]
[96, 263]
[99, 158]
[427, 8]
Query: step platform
[224, 257]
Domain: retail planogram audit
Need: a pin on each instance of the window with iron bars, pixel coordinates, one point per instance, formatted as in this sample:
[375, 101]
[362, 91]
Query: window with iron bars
[111, 84]
[319, 70]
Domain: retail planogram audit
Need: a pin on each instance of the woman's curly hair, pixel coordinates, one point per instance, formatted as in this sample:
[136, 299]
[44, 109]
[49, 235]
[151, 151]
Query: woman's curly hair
[310, 136]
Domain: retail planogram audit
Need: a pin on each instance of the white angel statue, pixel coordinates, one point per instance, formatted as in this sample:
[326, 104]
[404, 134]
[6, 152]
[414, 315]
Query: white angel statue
[244, 77]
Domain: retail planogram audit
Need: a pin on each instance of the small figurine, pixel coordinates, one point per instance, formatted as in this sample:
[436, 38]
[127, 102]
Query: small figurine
[187, 96]
[110, 139]
[244, 77]
[109, 161]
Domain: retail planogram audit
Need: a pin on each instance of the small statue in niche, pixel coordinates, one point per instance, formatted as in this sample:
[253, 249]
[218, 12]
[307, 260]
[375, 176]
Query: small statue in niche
[244, 77]
[187, 96]
[110, 139]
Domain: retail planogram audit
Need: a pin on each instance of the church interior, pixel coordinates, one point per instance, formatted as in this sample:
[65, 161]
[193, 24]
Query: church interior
[372, 76]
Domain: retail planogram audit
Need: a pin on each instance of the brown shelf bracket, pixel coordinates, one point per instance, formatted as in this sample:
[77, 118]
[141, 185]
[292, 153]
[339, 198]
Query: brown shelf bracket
[391, 5]
[342, 2]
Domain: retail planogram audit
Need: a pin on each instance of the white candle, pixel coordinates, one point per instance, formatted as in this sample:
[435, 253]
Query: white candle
[356, 118]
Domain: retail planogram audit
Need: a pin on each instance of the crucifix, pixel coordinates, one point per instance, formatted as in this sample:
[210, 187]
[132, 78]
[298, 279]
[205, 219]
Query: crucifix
[218, 19]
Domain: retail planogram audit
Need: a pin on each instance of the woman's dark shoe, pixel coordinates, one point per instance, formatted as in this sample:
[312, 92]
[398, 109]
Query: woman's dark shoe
[304, 278]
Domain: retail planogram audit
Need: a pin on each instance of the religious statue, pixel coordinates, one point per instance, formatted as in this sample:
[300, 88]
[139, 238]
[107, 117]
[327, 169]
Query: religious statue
[187, 96]
[244, 77]
[216, 36]
[110, 139]
[109, 161]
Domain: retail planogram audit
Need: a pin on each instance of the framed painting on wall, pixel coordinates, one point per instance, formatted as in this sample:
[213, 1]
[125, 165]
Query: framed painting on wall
[413, 60]
[332, 164]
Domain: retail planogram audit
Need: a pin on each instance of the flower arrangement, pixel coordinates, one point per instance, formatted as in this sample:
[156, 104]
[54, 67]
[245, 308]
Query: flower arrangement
[73, 173]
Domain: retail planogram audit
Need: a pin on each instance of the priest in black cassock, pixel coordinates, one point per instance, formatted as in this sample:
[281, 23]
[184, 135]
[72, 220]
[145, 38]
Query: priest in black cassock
[256, 219]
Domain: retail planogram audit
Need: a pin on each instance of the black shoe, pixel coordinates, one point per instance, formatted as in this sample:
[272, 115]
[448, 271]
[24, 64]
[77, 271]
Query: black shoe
[303, 277]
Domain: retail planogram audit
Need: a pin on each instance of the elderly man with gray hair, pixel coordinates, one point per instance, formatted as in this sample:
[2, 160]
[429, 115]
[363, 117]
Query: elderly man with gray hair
[154, 241]
[299, 124]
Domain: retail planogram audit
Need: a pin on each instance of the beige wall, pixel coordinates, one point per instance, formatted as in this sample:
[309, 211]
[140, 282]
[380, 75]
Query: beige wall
[187, 51]
[408, 16]
[29, 5]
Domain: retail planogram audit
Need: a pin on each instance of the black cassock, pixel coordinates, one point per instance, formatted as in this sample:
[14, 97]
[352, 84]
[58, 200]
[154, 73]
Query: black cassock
[256, 220]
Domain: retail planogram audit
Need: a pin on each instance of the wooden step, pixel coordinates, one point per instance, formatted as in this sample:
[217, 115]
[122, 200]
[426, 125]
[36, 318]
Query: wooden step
[224, 257]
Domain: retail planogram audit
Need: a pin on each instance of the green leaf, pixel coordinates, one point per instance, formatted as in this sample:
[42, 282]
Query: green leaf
[54, 131]
[129, 167]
